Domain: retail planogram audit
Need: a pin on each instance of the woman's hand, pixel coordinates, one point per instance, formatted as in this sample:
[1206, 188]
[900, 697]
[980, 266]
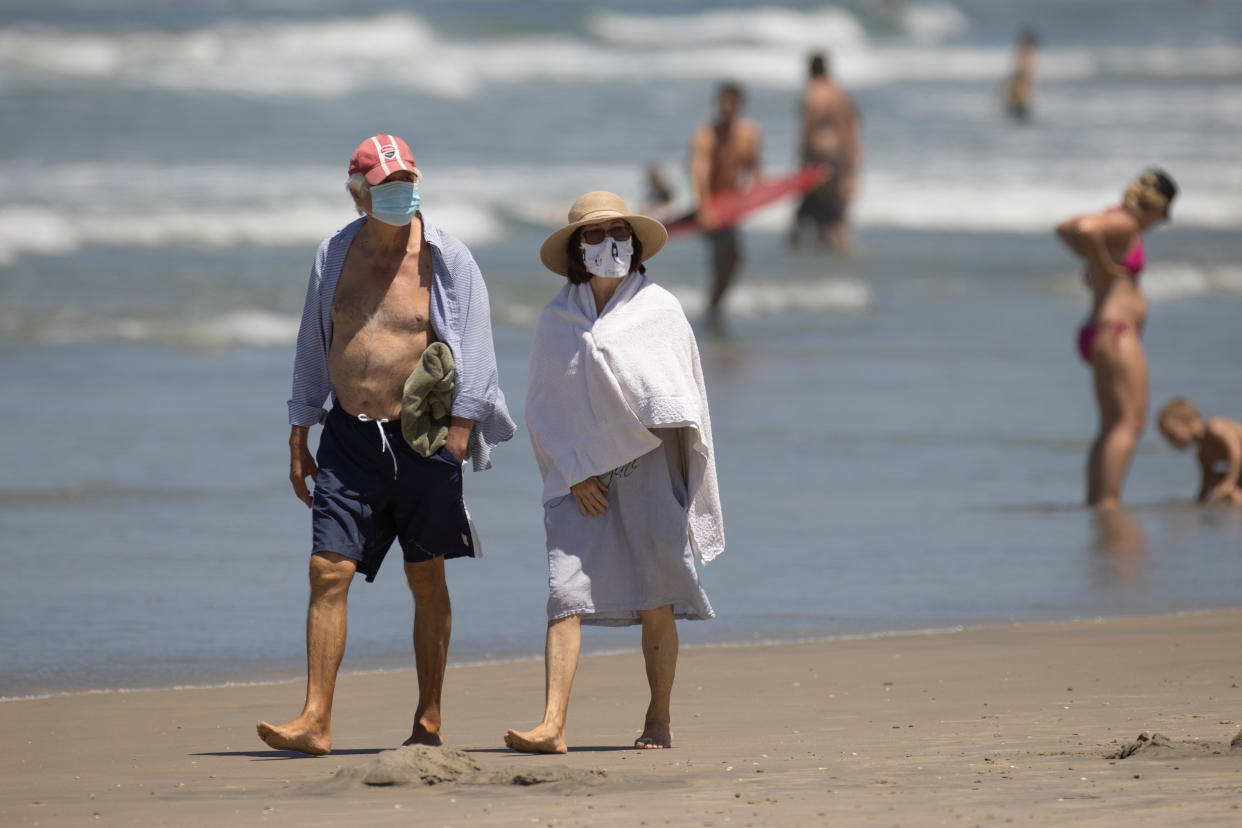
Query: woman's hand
[592, 497]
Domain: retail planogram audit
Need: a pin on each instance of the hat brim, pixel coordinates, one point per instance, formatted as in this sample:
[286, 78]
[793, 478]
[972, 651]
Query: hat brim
[376, 175]
[651, 235]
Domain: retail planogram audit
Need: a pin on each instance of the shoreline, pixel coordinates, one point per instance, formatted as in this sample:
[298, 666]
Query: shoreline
[994, 722]
[619, 651]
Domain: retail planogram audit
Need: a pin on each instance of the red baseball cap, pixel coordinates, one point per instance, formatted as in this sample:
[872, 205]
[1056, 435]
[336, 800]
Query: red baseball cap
[380, 156]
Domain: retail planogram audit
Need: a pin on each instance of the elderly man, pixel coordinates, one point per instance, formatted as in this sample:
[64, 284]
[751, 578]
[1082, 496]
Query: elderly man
[382, 289]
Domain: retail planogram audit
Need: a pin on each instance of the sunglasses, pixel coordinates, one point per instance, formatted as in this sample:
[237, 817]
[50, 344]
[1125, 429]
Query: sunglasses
[596, 235]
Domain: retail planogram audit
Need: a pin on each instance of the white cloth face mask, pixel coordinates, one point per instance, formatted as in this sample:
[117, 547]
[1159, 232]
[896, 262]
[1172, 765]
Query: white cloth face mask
[609, 259]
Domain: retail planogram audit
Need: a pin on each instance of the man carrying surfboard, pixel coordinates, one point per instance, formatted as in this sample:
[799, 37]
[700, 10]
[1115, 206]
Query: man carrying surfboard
[723, 156]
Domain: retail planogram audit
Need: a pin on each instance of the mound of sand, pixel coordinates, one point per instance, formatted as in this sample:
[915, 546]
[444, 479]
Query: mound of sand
[420, 765]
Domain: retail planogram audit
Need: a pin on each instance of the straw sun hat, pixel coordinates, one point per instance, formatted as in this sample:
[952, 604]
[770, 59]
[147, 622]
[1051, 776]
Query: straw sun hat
[594, 207]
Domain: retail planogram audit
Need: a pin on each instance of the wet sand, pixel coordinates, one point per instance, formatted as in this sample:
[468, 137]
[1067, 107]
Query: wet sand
[1034, 724]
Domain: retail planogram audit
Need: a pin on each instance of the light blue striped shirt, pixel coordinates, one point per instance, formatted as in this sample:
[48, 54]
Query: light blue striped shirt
[460, 315]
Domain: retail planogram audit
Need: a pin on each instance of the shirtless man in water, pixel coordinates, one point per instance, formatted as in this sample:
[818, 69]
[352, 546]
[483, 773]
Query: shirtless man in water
[723, 156]
[829, 136]
[382, 289]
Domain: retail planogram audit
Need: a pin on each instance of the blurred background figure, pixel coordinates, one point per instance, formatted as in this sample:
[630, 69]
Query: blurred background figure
[1021, 85]
[829, 136]
[1218, 445]
[661, 200]
[659, 192]
[1120, 548]
[724, 155]
[1110, 341]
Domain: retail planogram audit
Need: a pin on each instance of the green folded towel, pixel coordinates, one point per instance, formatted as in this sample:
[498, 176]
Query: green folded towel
[427, 402]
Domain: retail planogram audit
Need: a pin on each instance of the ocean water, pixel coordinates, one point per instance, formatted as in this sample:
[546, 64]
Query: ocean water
[901, 435]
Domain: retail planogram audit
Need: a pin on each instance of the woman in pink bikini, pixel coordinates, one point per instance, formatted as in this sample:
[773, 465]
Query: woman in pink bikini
[1111, 244]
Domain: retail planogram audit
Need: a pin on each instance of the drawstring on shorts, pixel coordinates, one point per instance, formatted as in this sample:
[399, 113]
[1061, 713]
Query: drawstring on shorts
[385, 446]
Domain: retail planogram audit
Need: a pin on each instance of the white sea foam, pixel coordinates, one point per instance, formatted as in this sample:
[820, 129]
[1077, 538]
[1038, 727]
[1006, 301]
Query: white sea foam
[760, 298]
[769, 26]
[219, 207]
[1018, 200]
[322, 58]
[246, 326]
[260, 327]
[215, 207]
[1166, 281]
[933, 21]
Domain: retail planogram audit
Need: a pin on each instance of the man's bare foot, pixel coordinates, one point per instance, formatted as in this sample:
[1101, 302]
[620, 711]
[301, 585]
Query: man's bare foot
[295, 735]
[422, 736]
[543, 739]
[654, 736]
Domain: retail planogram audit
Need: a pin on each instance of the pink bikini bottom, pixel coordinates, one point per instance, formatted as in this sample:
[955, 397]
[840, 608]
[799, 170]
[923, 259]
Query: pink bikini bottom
[1088, 333]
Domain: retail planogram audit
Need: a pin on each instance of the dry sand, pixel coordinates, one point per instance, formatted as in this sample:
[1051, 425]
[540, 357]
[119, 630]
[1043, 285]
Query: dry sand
[994, 725]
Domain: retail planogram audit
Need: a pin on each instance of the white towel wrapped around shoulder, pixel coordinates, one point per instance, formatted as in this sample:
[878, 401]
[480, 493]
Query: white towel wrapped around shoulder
[599, 382]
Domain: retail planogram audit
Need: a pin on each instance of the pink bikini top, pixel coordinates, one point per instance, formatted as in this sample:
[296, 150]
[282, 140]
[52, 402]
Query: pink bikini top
[1136, 259]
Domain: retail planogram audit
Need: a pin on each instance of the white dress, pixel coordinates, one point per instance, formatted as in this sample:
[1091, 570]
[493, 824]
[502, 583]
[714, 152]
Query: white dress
[637, 555]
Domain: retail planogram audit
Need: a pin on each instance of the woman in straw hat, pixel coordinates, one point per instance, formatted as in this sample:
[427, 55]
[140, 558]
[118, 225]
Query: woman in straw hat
[617, 415]
[1110, 341]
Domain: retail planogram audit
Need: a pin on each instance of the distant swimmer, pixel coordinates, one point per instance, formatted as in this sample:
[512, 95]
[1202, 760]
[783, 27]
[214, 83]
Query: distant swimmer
[1111, 244]
[1219, 447]
[661, 200]
[830, 136]
[1021, 85]
[724, 155]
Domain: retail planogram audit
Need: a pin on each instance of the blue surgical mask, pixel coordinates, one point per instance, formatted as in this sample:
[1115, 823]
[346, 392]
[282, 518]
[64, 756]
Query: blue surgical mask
[395, 203]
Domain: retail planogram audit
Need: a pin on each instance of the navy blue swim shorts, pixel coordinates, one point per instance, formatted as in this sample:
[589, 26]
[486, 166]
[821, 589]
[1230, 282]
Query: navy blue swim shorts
[372, 488]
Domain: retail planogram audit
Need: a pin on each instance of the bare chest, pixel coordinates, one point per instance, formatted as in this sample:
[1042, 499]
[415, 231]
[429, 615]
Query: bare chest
[732, 152]
[383, 296]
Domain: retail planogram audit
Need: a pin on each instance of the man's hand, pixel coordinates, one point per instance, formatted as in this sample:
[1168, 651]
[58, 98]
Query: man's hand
[706, 218]
[301, 464]
[592, 497]
[458, 439]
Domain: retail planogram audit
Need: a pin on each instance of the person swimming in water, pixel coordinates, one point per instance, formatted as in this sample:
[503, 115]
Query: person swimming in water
[1020, 87]
[1111, 244]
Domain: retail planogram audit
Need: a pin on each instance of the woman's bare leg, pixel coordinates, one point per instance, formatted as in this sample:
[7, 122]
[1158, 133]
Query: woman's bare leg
[1120, 370]
[660, 655]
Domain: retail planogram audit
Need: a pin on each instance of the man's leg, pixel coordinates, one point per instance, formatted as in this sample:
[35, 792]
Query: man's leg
[660, 654]
[726, 256]
[326, 622]
[433, 624]
[837, 236]
[560, 664]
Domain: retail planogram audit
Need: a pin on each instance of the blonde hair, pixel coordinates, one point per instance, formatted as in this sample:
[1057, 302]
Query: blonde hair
[1144, 195]
[1178, 408]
